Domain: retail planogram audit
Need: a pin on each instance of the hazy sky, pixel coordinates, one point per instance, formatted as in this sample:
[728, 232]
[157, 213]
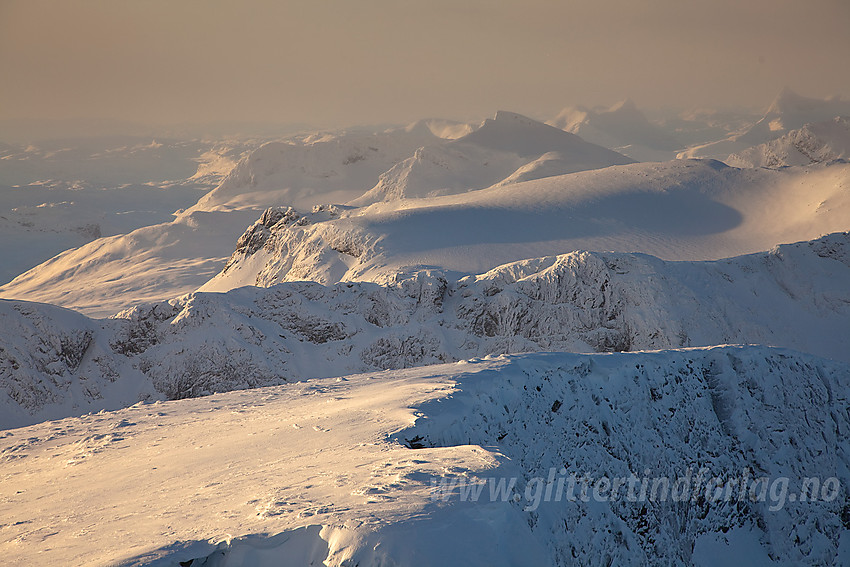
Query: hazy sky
[343, 62]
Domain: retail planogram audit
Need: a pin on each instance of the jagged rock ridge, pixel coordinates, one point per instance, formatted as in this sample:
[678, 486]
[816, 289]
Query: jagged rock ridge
[793, 296]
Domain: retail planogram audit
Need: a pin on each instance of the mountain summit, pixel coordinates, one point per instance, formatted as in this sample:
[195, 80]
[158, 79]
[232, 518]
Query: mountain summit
[623, 124]
[791, 111]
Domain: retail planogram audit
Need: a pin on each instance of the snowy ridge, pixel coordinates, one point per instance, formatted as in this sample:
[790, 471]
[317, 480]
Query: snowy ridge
[493, 153]
[104, 276]
[813, 143]
[788, 112]
[680, 210]
[794, 296]
[317, 168]
[791, 111]
[249, 492]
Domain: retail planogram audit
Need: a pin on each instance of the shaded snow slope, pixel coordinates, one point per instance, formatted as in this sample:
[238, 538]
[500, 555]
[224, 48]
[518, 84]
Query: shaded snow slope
[503, 149]
[680, 210]
[794, 296]
[322, 472]
[813, 143]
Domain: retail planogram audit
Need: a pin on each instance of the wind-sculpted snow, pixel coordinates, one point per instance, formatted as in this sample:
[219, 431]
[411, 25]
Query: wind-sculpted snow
[793, 296]
[688, 416]
[385, 468]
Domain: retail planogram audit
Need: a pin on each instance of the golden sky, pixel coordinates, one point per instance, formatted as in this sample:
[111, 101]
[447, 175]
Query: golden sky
[336, 62]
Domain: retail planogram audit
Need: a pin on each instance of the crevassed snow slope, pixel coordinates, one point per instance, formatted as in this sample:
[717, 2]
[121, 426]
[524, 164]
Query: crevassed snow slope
[813, 143]
[679, 210]
[324, 472]
[491, 154]
[57, 363]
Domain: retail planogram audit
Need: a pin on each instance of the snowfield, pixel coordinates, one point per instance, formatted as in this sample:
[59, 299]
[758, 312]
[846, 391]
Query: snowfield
[509, 189]
[679, 210]
[55, 196]
[370, 469]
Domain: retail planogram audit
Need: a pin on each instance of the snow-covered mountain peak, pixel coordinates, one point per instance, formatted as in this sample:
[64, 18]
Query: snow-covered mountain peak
[445, 129]
[819, 142]
[622, 127]
[791, 111]
[503, 150]
[513, 117]
[302, 172]
[624, 106]
[789, 101]
[518, 134]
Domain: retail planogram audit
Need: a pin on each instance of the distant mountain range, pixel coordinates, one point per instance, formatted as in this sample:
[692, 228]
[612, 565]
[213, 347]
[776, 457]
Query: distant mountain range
[820, 142]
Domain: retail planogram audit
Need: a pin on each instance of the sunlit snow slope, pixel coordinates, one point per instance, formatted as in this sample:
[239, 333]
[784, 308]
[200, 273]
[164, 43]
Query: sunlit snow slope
[59, 195]
[339, 471]
[169, 259]
[679, 210]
